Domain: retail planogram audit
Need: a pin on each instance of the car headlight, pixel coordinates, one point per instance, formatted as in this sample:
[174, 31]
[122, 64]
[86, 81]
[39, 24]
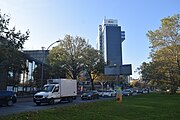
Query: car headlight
[89, 95]
[45, 96]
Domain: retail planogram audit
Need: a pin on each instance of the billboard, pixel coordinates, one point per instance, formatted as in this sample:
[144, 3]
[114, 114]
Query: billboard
[126, 69]
[110, 22]
[111, 70]
[118, 70]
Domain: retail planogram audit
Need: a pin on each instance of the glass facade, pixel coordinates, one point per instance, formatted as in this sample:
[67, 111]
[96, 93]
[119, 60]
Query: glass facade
[113, 45]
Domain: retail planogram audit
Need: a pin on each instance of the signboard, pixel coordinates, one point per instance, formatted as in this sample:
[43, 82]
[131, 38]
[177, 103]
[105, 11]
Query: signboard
[126, 69]
[111, 70]
[118, 70]
[110, 22]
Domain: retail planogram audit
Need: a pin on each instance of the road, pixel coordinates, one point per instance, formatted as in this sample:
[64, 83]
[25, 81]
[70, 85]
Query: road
[26, 104]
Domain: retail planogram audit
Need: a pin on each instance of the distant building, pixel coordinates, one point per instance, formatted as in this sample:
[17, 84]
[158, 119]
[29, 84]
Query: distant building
[110, 38]
[40, 55]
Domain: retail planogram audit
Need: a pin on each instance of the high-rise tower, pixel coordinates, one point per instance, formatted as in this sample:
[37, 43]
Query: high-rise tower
[110, 38]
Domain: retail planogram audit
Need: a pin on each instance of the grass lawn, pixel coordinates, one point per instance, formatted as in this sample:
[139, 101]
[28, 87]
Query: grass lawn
[140, 107]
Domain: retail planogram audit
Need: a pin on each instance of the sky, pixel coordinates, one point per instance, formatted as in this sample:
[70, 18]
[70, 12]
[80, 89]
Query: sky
[50, 20]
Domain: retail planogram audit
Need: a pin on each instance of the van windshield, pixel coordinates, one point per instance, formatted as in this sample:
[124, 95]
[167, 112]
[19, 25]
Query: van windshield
[48, 88]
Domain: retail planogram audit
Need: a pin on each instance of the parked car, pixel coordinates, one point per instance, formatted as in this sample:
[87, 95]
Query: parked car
[178, 90]
[109, 93]
[100, 92]
[90, 95]
[7, 98]
[126, 92]
[139, 91]
[145, 90]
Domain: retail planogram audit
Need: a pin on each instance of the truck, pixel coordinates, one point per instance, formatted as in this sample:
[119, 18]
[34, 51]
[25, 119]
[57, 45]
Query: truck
[56, 90]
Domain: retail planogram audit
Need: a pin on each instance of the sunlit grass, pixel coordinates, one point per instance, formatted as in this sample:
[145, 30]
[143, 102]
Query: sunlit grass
[141, 107]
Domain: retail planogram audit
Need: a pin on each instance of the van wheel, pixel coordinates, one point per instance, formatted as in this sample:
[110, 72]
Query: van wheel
[74, 98]
[60, 100]
[38, 104]
[70, 99]
[51, 102]
[9, 103]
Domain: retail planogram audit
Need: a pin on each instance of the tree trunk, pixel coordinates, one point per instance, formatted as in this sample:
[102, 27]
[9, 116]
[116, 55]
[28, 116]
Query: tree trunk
[92, 84]
[178, 63]
[3, 78]
[173, 84]
[92, 80]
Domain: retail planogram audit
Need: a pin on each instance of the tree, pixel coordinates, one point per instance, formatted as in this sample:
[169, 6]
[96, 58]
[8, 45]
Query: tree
[9, 37]
[151, 73]
[68, 55]
[12, 60]
[165, 51]
[75, 56]
[169, 69]
[37, 75]
[93, 63]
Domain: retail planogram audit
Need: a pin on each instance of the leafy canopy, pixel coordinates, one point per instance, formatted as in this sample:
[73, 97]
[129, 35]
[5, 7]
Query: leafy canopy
[165, 54]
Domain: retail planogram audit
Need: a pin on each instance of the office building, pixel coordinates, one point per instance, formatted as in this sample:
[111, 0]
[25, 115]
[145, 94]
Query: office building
[110, 38]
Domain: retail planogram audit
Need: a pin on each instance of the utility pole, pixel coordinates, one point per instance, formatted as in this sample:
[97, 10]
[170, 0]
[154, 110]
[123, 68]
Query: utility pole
[42, 70]
[43, 60]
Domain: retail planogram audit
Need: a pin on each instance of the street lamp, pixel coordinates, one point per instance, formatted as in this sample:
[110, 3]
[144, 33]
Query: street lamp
[42, 70]
[53, 44]
[43, 54]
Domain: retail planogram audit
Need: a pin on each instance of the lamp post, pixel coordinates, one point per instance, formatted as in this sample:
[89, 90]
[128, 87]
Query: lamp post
[53, 44]
[43, 58]
[42, 70]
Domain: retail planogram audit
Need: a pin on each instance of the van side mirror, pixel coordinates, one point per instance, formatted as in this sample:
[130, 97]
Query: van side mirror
[56, 89]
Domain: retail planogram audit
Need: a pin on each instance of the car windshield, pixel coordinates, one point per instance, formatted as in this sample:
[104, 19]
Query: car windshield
[48, 88]
[100, 91]
[90, 92]
[127, 91]
[108, 91]
[6, 93]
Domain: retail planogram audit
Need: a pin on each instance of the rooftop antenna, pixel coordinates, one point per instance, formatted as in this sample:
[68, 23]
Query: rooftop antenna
[104, 20]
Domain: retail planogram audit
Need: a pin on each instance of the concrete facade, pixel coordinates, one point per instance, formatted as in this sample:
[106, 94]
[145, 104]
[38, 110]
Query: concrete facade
[39, 55]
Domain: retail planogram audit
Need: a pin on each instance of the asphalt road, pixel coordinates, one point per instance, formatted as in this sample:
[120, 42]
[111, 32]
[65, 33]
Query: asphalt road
[26, 104]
